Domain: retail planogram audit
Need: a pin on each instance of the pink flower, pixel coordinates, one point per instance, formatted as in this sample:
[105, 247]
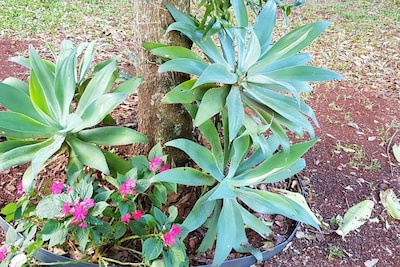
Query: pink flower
[169, 239]
[79, 212]
[175, 230]
[66, 208]
[70, 189]
[155, 163]
[164, 168]
[88, 203]
[56, 188]
[126, 188]
[137, 215]
[20, 188]
[126, 218]
[3, 252]
[82, 224]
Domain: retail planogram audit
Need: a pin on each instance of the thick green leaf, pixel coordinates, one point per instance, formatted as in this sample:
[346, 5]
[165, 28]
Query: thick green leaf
[251, 53]
[211, 134]
[288, 172]
[239, 8]
[217, 73]
[181, 93]
[89, 154]
[21, 154]
[304, 73]
[212, 103]
[180, 16]
[235, 112]
[41, 85]
[355, 217]
[261, 227]
[98, 110]
[224, 190]
[277, 163]
[226, 228]
[199, 154]
[20, 126]
[128, 86]
[211, 234]
[173, 52]
[45, 153]
[227, 46]
[87, 59]
[184, 65]
[185, 176]
[151, 45]
[295, 60]
[240, 148]
[17, 100]
[264, 25]
[48, 207]
[65, 84]
[9, 145]
[299, 204]
[294, 41]
[97, 86]
[112, 136]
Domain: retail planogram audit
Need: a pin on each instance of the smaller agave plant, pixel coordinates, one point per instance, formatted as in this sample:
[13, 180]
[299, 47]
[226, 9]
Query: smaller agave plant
[58, 109]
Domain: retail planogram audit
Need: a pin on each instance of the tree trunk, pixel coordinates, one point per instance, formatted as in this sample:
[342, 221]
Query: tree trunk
[159, 122]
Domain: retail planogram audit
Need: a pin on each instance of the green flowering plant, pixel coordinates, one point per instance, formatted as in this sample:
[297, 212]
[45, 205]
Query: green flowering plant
[95, 218]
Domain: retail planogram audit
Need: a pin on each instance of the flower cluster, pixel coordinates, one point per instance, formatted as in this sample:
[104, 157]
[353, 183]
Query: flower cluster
[156, 164]
[3, 252]
[79, 210]
[126, 188]
[169, 237]
[136, 215]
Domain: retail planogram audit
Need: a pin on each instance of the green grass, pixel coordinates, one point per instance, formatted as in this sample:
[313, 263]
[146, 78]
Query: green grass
[22, 18]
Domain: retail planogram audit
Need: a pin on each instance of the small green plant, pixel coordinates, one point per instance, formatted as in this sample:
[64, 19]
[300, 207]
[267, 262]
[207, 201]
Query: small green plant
[335, 252]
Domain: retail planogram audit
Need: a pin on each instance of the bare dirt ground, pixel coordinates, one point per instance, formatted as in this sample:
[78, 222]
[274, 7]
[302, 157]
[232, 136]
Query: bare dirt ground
[353, 161]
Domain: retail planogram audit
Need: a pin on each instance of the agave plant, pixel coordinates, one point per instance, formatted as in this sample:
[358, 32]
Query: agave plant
[247, 71]
[44, 119]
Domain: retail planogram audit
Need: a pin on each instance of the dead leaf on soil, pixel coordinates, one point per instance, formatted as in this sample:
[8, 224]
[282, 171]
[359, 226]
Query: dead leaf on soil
[371, 262]
[390, 203]
[355, 217]
[396, 152]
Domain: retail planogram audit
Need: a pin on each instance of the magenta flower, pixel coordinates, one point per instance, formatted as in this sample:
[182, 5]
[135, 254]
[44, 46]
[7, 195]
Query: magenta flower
[175, 230]
[126, 188]
[56, 188]
[155, 163]
[20, 188]
[164, 168]
[169, 237]
[82, 224]
[137, 215]
[80, 212]
[126, 218]
[88, 203]
[66, 208]
[3, 252]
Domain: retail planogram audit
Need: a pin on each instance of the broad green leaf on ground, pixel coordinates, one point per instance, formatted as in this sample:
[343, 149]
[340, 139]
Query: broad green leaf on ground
[391, 203]
[355, 217]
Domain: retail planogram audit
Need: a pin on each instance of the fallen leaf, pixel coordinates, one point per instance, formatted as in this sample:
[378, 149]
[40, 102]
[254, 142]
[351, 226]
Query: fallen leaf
[391, 203]
[371, 262]
[355, 217]
[396, 151]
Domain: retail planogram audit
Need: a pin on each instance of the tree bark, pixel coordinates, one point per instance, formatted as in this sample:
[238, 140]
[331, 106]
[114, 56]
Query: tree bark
[159, 122]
